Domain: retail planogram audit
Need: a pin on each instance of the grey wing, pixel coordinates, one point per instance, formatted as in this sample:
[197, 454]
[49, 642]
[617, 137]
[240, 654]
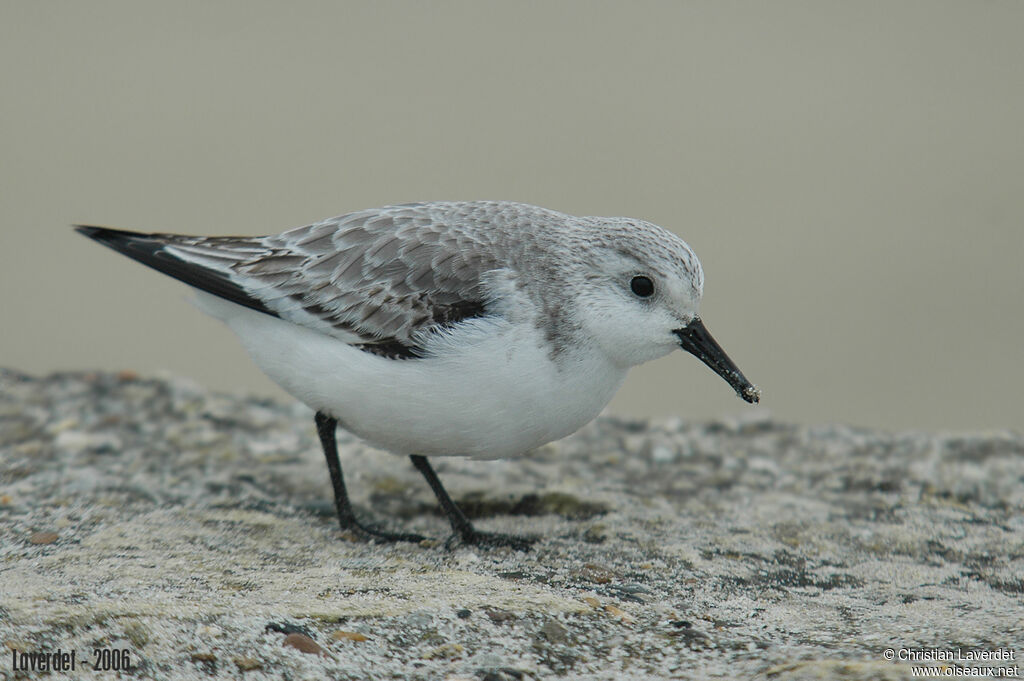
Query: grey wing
[377, 279]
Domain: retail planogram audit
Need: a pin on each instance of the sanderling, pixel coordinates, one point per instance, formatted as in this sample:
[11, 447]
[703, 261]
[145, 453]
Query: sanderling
[481, 329]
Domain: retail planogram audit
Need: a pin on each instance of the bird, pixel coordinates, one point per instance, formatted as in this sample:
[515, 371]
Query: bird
[480, 329]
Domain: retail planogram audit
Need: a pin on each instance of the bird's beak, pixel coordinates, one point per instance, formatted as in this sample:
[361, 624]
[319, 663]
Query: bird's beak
[695, 339]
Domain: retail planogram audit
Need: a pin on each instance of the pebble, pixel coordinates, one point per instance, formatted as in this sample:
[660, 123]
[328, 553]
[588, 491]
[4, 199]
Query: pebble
[503, 674]
[348, 636]
[247, 664]
[448, 651]
[596, 534]
[598, 574]
[43, 538]
[619, 612]
[663, 454]
[694, 638]
[76, 440]
[498, 614]
[554, 632]
[304, 643]
[419, 620]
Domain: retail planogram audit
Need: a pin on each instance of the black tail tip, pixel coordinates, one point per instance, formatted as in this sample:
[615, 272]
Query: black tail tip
[93, 232]
[106, 235]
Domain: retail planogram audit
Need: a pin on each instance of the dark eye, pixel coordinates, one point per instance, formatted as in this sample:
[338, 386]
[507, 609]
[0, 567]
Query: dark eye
[641, 286]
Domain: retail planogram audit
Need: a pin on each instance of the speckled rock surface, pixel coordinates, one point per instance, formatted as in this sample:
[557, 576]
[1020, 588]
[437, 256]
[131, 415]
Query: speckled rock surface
[194, 531]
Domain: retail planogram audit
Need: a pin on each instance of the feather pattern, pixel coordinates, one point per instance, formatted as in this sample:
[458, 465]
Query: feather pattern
[378, 279]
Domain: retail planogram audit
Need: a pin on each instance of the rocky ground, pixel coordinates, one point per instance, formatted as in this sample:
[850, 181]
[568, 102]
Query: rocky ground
[194, 531]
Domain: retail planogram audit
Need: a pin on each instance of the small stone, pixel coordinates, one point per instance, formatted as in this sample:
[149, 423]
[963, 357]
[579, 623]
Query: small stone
[463, 613]
[618, 612]
[598, 574]
[204, 657]
[348, 636]
[287, 628]
[448, 651]
[5, 499]
[554, 632]
[596, 534]
[695, 639]
[304, 644]
[43, 538]
[502, 674]
[592, 602]
[419, 620]
[127, 375]
[498, 615]
[663, 454]
[247, 664]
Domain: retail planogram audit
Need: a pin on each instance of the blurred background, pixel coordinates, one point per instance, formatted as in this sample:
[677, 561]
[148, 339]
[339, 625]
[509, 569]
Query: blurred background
[850, 174]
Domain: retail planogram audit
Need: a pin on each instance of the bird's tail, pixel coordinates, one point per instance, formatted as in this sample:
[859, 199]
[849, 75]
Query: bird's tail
[197, 261]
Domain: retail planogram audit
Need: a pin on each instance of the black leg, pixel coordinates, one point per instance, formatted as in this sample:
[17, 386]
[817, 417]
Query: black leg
[325, 428]
[464, 529]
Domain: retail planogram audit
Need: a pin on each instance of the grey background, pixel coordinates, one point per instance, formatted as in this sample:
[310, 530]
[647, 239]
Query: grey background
[850, 174]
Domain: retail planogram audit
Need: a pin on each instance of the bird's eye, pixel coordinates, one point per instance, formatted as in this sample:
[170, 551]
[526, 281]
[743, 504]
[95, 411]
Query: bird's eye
[642, 286]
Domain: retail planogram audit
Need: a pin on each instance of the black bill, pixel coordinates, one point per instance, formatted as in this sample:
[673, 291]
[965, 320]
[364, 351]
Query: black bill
[695, 339]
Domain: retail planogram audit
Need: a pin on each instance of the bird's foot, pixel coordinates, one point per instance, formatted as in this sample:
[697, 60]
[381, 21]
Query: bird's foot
[474, 537]
[371, 533]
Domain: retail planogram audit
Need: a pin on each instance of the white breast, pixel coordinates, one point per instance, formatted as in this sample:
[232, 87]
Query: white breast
[489, 390]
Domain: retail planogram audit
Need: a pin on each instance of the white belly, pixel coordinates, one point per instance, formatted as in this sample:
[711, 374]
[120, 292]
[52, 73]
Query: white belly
[490, 391]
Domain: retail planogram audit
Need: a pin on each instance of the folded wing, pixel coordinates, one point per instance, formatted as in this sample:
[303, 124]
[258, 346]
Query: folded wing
[377, 279]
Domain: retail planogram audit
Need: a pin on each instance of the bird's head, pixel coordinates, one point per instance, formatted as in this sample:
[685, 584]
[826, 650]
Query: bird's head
[639, 289]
